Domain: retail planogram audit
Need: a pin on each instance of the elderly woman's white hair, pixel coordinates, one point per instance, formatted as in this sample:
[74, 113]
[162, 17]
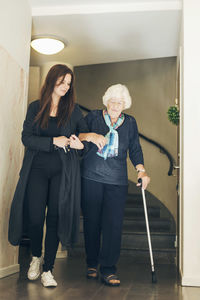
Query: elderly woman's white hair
[118, 92]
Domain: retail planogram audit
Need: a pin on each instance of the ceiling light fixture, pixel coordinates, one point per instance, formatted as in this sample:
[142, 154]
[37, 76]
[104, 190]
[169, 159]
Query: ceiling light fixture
[47, 45]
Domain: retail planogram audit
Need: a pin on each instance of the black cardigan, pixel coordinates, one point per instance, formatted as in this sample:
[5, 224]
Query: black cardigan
[69, 194]
[112, 170]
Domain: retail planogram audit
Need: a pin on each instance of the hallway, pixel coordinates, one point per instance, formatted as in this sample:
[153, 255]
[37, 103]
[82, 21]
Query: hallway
[72, 283]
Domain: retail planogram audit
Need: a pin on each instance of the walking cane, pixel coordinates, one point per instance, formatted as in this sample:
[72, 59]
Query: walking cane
[154, 279]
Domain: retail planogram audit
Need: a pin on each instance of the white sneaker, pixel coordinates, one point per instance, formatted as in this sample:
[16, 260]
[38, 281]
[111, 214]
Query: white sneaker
[34, 269]
[47, 279]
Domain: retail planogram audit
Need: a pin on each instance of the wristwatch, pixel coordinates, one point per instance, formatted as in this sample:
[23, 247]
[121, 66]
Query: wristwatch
[140, 170]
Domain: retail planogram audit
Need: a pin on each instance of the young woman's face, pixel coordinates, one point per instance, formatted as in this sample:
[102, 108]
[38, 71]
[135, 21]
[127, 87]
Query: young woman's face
[62, 85]
[115, 107]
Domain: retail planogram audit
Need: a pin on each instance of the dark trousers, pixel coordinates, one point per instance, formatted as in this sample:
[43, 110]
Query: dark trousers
[42, 192]
[103, 211]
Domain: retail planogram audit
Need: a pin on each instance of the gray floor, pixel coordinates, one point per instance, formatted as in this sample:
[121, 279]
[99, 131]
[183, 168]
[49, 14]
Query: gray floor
[72, 284]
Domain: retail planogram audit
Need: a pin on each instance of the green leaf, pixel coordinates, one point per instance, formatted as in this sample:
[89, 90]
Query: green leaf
[173, 115]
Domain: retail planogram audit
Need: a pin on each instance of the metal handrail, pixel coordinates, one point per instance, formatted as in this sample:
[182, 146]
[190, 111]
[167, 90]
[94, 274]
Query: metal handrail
[161, 148]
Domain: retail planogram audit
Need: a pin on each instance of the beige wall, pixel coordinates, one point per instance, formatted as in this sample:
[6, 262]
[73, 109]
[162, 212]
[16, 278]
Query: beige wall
[34, 84]
[190, 145]
[152, 86]
[15, 33]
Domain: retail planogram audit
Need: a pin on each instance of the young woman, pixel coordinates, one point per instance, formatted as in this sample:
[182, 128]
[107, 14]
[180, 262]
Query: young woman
[50, 175]
[104, 180]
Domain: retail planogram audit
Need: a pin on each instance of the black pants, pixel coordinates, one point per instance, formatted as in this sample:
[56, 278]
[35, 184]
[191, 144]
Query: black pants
[103, 211]
[42, 192]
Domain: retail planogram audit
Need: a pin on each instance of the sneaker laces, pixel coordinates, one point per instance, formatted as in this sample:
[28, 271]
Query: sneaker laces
[48, 278]
[48, 275]
[35, 263]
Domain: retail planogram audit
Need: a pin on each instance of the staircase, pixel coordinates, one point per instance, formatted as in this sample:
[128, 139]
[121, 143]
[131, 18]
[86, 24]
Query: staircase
[134, 237]
[162, 228]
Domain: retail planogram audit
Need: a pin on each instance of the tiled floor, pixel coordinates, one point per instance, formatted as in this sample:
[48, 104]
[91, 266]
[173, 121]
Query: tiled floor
[72, 283]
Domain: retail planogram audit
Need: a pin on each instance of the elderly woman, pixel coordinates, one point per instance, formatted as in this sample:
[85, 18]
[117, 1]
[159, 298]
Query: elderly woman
[105, 182]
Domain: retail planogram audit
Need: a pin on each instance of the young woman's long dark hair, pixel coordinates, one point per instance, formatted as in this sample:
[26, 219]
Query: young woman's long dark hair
[66, 103]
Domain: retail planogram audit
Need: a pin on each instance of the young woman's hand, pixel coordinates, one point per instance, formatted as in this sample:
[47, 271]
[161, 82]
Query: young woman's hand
[75, 143]
[61, 141]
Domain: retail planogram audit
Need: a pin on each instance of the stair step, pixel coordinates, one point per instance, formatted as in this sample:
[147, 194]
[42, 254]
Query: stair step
[164, 256]
[134, 201]
[139, 211]
[137, 195]
[134, 236]
[139, 224]
[139, 240]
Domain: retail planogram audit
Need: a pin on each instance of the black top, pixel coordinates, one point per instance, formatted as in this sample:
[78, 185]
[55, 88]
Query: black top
[36, 138]
[52, 130]
[112, 170]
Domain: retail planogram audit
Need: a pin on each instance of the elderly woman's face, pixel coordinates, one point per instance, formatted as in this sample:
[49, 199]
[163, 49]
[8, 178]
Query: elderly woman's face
[115, 107]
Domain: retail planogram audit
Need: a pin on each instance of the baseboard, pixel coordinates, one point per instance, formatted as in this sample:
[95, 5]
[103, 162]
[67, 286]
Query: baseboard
[61, 254]
[9, 270]
[190, 281]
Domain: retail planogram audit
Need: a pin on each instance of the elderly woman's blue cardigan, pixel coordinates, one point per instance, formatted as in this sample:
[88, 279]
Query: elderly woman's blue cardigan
[113, 170]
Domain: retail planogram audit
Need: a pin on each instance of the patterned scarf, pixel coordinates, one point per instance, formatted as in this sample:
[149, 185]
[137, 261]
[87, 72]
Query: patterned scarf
[111, 148]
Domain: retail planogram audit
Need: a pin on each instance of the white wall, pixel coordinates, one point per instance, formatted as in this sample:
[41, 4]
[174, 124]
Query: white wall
[15, 29]
[190, 159]
[15, 35]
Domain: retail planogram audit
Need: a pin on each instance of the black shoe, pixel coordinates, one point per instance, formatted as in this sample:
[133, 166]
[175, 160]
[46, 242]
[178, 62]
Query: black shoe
[92, 273]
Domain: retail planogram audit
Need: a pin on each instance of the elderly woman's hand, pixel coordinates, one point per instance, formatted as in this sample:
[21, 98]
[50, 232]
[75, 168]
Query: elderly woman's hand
[98, 139]
[145, 179]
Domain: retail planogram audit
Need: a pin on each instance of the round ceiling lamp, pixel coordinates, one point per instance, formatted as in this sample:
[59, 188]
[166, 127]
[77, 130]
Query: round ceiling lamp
[47, 45]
